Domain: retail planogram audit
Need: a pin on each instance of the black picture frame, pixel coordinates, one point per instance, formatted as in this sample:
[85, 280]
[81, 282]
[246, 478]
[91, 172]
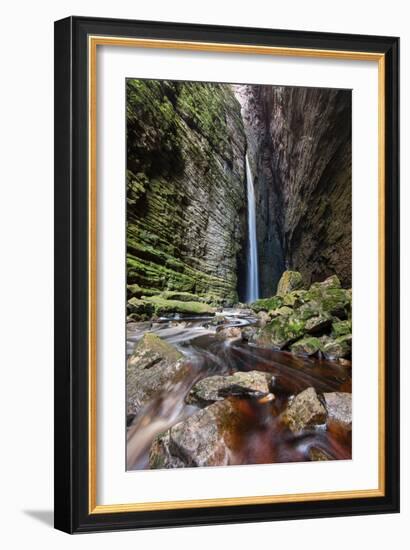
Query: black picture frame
[71, 492]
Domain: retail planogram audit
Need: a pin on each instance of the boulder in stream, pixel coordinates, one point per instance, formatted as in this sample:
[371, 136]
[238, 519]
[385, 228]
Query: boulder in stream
[154, 367]
[304, 411]
[201, 440]
[215, 388]
[339, 408]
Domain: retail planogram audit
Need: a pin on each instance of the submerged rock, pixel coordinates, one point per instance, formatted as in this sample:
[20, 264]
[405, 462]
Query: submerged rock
[155, 366]
[215, 388]
[305, 411]
[339, 408]
[290, 280]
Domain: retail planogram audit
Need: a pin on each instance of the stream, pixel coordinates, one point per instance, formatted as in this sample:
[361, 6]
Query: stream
[262, 438]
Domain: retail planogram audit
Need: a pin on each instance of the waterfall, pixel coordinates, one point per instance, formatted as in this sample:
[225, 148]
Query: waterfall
[252, 291]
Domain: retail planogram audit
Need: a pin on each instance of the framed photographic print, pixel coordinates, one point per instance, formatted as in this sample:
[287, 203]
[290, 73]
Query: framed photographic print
[226, 274]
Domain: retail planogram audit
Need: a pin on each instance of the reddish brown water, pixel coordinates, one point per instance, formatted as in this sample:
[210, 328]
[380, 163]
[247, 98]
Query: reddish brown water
[260, 437]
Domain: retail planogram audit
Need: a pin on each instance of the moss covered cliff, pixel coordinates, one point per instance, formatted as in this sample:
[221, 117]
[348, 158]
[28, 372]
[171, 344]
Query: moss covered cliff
[186, 211]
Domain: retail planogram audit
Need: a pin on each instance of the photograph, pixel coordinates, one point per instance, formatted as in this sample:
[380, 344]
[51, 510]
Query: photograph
[238, 274]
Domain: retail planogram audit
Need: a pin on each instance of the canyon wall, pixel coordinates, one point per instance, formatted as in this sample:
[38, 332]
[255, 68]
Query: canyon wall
[186, 200]
[299, 143]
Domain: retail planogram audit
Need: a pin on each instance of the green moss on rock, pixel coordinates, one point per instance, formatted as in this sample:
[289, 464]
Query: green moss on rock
[267, 304]
[290, 280]
[306, 346]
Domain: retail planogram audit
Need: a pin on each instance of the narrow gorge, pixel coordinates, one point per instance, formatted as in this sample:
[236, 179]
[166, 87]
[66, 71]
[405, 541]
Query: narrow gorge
[238, 274]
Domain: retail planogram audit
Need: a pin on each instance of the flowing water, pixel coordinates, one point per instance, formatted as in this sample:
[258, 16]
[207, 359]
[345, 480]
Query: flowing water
[262, 438]
[252, 267]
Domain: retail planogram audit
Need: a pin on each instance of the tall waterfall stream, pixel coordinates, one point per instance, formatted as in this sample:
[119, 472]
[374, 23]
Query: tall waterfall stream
[252, 268]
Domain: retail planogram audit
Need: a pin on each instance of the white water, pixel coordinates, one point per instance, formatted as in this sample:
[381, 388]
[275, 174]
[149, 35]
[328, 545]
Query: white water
[252, 291]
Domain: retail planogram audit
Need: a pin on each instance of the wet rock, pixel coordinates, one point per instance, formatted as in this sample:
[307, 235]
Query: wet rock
[215, 388]
[248, 333]
[281, 332]
[338, 348]
[316, 454]
[290, 280]
[204, 438]
[341, 328]
[264, 318]
[229, 333]
[306, 346]
[319, 324]
[150, 350]
[305, 411]
[160, 456]
[154, 367]
[339, 408]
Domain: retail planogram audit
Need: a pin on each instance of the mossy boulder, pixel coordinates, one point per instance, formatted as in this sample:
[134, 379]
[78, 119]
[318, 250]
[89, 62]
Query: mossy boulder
[163, 306]
[295, 298]
[290, 280]
[284, 310]
[341, 328]
[330, 282]
[266, 304]
[139, 310]
[319, 324]
[306, 346]
[281, 331]
[338, 348]
[150, 350]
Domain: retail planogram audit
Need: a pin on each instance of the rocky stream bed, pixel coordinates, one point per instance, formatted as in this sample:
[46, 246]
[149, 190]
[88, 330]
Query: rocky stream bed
[248, 384]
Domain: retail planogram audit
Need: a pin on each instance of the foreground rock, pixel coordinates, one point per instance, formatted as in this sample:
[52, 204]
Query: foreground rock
[215, 388]
[305, 411]
[339, 408]
[229, 333]
[201, 440]
[155, 367]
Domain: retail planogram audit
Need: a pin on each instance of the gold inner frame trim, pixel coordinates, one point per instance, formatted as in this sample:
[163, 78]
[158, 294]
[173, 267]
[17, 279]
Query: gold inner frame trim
[93, 42]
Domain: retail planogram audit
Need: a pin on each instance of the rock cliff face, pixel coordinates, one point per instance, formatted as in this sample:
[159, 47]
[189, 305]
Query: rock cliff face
[186, 201]
[299, 145]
